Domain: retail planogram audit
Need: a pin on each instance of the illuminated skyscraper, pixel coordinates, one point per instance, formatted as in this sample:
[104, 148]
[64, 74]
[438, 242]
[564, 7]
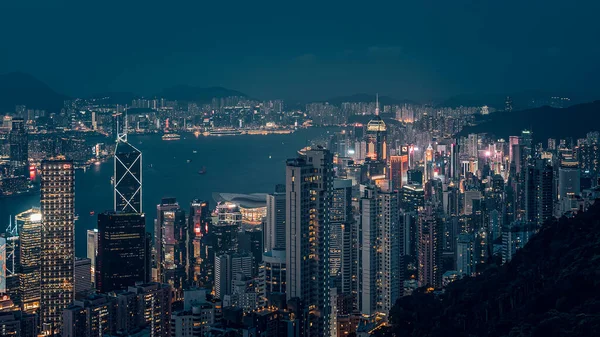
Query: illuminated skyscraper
[58, 231]
[128, 176]
[171, 237]
[429, 248]
[29, 224]
[309, 186]
[399, 171]
[376, 137]
[121, 258]
[198, 224]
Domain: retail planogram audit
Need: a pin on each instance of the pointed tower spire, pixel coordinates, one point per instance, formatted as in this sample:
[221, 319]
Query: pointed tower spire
[125, 129]
[377, 104]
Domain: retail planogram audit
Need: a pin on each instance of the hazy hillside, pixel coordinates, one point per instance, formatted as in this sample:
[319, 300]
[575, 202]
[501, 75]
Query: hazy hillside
[545, 122]
[19, 88]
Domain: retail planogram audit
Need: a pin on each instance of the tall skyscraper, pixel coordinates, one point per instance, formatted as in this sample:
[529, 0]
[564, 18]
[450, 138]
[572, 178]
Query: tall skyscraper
[198, 224]
[10, 263]
[381, 260]
[29, 224]
[18, 147]
[92, 250]
[368, 261]
[342, 250]
[429, 248]
[274, 232]
[128, 176]
[309, 185]
[171, 249]
[539, 192]
[376, 137]
[391, 272]
[58, 231]
[399, 170]
[121, 258]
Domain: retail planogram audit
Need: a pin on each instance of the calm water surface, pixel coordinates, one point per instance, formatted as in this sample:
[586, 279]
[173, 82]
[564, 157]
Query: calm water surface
[235, 164]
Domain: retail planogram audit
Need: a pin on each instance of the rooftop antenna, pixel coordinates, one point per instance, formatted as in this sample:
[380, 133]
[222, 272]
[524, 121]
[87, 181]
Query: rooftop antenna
[377, 104]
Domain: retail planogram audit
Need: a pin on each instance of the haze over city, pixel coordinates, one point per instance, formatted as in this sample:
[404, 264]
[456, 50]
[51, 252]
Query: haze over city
[314, 50]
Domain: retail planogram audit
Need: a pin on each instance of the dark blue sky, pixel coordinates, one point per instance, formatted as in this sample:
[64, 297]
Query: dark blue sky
[417, 49]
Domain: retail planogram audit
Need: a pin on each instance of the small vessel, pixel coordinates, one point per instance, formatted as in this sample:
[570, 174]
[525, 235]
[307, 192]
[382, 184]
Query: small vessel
[194, 151]
[171, 136]
[92, 213]
[76, 217]
[112, 180]
[203, 170]
[189, 161]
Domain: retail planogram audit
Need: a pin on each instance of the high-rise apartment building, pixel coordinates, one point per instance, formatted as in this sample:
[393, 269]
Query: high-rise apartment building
[272, 275]
[309, 187]
[381, 252]
[58, 251]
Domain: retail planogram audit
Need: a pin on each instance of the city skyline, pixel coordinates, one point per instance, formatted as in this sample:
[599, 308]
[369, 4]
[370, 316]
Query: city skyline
[299, 169]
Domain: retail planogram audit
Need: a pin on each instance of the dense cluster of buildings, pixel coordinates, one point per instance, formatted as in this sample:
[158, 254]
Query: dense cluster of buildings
[380, 210]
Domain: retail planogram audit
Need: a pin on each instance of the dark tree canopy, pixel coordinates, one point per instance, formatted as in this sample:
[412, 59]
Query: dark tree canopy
[550, 288]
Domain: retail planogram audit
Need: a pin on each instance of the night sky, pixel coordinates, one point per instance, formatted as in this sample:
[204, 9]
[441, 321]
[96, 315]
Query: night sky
[305, 50]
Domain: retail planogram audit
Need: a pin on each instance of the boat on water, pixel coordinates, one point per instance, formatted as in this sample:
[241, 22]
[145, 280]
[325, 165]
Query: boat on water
[92, 213]
[112, 180]
[189, 161]
[203, 170]
[171, 136]
[194, 151]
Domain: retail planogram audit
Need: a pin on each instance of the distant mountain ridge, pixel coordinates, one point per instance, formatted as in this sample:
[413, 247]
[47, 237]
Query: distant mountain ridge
[189, 93]
[520, 100]
[356, 98]
[545, 122]
[18, 88]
